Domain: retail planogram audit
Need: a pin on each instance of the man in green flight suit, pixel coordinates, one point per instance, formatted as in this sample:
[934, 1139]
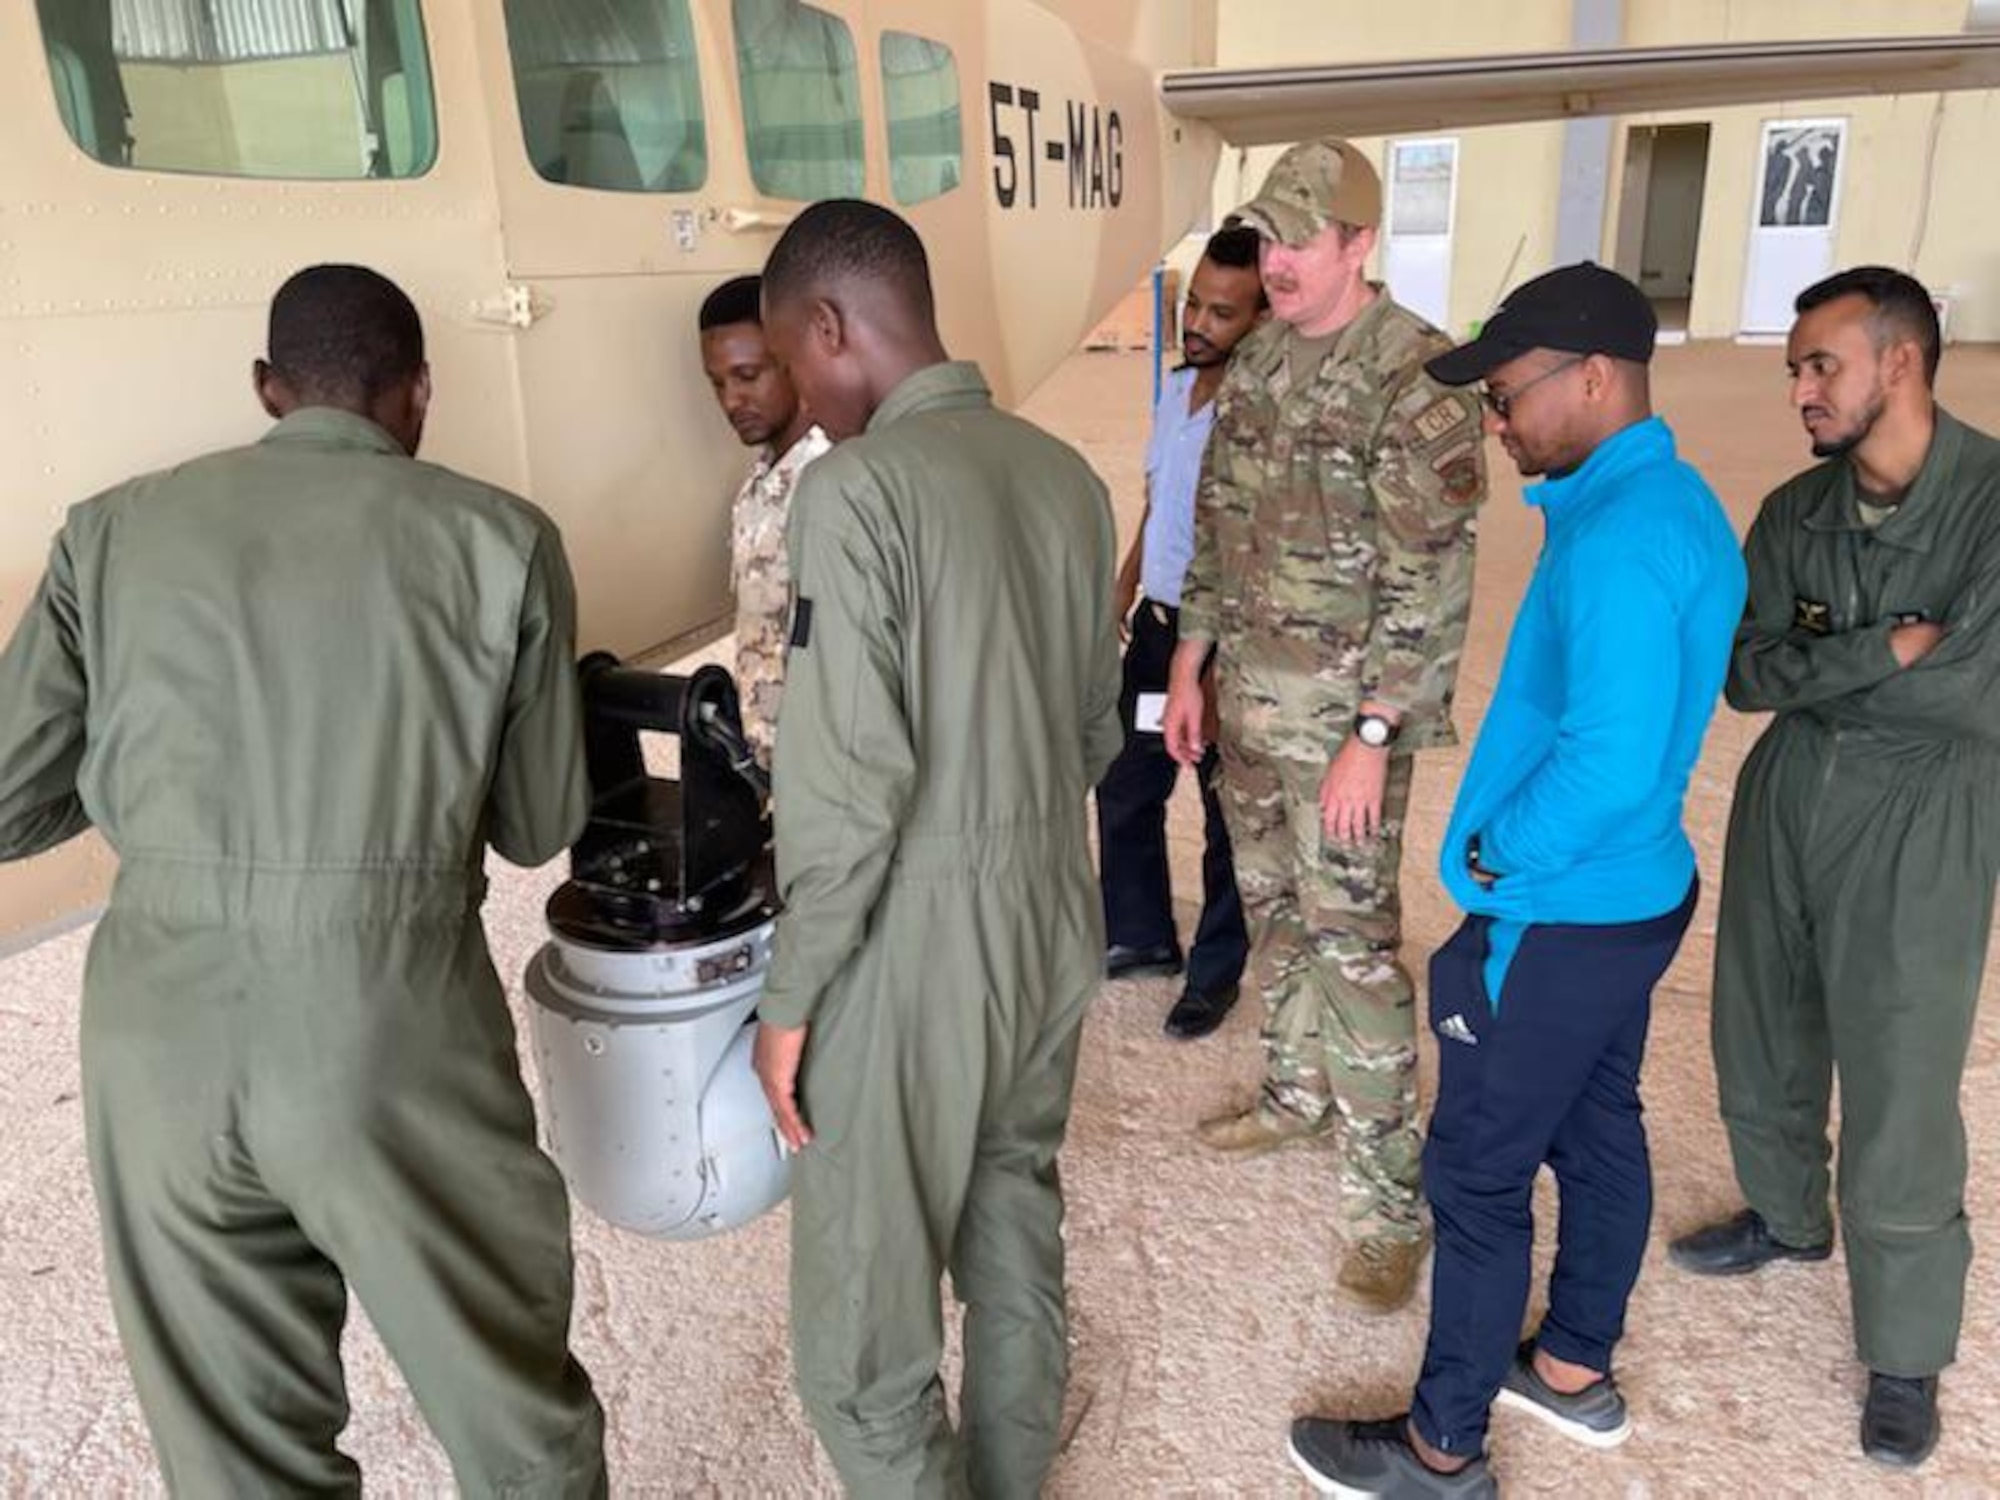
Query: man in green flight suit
[951, 698]
[1332, 573]
[300, 687]
[1864, 843]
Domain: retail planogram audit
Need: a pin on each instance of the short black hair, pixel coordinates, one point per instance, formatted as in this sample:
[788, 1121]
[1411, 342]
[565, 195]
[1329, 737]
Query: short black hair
[1236, 248]
[735, 301]
[1902, 308]
[343, 333]
[844, 239]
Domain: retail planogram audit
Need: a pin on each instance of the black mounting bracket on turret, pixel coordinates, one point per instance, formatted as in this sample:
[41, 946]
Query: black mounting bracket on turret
[666, 861]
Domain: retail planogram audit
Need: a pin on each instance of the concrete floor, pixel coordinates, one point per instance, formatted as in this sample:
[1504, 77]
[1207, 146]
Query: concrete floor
[1201, 1292]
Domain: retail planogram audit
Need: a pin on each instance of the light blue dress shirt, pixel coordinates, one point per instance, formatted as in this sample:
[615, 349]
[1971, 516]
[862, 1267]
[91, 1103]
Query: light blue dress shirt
[1173, 470]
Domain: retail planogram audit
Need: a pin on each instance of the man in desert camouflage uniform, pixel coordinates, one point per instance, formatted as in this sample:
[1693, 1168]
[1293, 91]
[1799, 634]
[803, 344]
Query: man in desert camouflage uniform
[757, 397]
[1333, 571]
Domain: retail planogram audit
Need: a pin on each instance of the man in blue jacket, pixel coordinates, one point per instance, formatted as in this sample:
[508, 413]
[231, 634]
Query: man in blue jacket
[1566, 851]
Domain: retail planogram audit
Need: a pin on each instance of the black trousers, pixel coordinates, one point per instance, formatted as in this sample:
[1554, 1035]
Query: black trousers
[1132, 828]
[1548, 1071]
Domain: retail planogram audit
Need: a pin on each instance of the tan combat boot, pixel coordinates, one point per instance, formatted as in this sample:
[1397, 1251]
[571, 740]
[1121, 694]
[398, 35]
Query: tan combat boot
[1380, 1275]
[1254, 1131]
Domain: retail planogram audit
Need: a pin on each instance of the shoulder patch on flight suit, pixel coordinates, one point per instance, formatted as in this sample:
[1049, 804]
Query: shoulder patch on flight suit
[1812, 616]
[1440, 417]
[802, 624]
[1458, 474]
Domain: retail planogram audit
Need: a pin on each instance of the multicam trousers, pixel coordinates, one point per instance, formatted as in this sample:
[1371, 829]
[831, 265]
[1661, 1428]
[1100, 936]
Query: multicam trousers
[1340, 1013]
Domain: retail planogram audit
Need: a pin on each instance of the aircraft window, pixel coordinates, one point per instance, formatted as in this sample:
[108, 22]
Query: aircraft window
[801, 100]
[920, 85]
[610, 93]
[245, 88]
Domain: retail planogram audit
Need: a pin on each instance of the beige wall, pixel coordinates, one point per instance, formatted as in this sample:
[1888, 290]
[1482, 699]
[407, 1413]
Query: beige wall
[1900, 202]
[1498, 237]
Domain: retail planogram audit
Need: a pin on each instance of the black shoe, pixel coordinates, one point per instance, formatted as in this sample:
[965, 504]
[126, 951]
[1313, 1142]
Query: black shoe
[1899, 1425]
[1595, 1416]
[1160, 962]
[1360, 1460]
[1198, 1012]
[1738, 1246]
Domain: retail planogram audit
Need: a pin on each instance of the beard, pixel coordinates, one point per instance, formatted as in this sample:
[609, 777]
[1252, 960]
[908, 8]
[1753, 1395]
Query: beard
[1854, 434]
[1200, 354]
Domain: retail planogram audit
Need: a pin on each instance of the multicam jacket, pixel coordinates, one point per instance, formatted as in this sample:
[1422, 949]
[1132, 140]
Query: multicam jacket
[763, 583]
[1334, 535]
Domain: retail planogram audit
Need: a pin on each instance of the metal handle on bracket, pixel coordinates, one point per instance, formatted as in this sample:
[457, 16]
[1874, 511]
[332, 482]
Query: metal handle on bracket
[516, 306]
[746, 220]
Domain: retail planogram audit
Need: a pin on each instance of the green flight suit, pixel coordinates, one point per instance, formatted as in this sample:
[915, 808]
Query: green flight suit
[1858, 885]
[951, 697]
[300, 687]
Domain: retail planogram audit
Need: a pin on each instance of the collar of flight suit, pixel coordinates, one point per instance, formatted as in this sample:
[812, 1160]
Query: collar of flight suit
[1644, 443]
[1914, 525]
[328, 427]
[955, 383]
[1361, 328]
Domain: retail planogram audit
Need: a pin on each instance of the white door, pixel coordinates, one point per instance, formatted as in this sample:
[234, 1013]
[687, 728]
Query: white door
[1416, 250]
[1796, 208]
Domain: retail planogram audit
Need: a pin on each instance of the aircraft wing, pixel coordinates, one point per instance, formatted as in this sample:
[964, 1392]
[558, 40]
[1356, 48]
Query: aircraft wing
[1265, 106]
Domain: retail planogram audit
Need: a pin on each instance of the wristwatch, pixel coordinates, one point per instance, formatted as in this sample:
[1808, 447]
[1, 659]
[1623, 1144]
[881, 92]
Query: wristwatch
[1375, 731]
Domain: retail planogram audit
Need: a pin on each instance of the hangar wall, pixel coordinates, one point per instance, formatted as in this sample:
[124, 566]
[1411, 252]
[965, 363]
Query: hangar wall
[1913, 188]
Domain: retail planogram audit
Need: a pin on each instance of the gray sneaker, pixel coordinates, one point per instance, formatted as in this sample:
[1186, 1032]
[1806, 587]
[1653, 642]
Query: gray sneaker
[1374, 1461]
[1595, 1416]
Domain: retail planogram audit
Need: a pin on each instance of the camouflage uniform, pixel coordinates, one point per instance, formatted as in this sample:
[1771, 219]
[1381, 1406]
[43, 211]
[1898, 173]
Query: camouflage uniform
[763, 583]
[1333, 565]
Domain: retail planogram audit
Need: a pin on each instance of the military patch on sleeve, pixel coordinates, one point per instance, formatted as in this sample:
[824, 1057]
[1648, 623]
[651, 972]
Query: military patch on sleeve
[1443, 416]
[802, 624]
[1458, 476]
[1811, 616]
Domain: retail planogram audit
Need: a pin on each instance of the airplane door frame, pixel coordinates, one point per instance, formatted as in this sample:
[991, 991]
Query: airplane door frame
[1417, 263]
[624, 445]
[1792, 226]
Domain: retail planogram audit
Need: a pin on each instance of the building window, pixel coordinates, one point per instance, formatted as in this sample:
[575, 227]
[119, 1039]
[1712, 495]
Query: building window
[245, 88]
[1420, 183]
[610, 93]
[920, 87]
[801, 100]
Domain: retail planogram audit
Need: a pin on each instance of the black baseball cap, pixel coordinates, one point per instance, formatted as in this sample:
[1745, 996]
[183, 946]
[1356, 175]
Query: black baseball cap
[1580, 309]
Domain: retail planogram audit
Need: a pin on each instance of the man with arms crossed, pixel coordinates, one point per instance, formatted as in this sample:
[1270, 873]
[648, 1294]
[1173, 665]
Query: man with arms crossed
[951, 697]
[1332, 577]
[1566, 851]
[1857, 892]
[1225, 301]
[757, 397]
[300, 687]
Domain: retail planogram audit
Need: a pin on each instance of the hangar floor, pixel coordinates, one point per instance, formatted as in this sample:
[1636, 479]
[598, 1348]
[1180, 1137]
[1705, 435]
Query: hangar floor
[1201, 1292]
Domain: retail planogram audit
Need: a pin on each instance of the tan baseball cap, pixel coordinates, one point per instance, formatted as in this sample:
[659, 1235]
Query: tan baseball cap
[1314, 184]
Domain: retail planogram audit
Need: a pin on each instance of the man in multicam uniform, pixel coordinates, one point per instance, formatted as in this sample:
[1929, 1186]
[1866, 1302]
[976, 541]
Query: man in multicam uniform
[1333, 571]
[758, 398]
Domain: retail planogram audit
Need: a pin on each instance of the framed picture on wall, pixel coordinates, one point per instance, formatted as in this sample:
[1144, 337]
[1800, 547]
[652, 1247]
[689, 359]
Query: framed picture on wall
[1801, 166]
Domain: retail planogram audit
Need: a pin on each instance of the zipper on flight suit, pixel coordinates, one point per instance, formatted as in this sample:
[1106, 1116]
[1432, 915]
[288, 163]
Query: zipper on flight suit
[1834, 731]
[1833, 758]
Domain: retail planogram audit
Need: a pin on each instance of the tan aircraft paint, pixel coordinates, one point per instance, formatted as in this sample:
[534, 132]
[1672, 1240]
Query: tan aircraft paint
[560, 319]
[131, 302]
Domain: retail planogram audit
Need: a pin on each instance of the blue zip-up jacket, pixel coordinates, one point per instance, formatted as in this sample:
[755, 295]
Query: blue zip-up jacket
[1612, 672]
